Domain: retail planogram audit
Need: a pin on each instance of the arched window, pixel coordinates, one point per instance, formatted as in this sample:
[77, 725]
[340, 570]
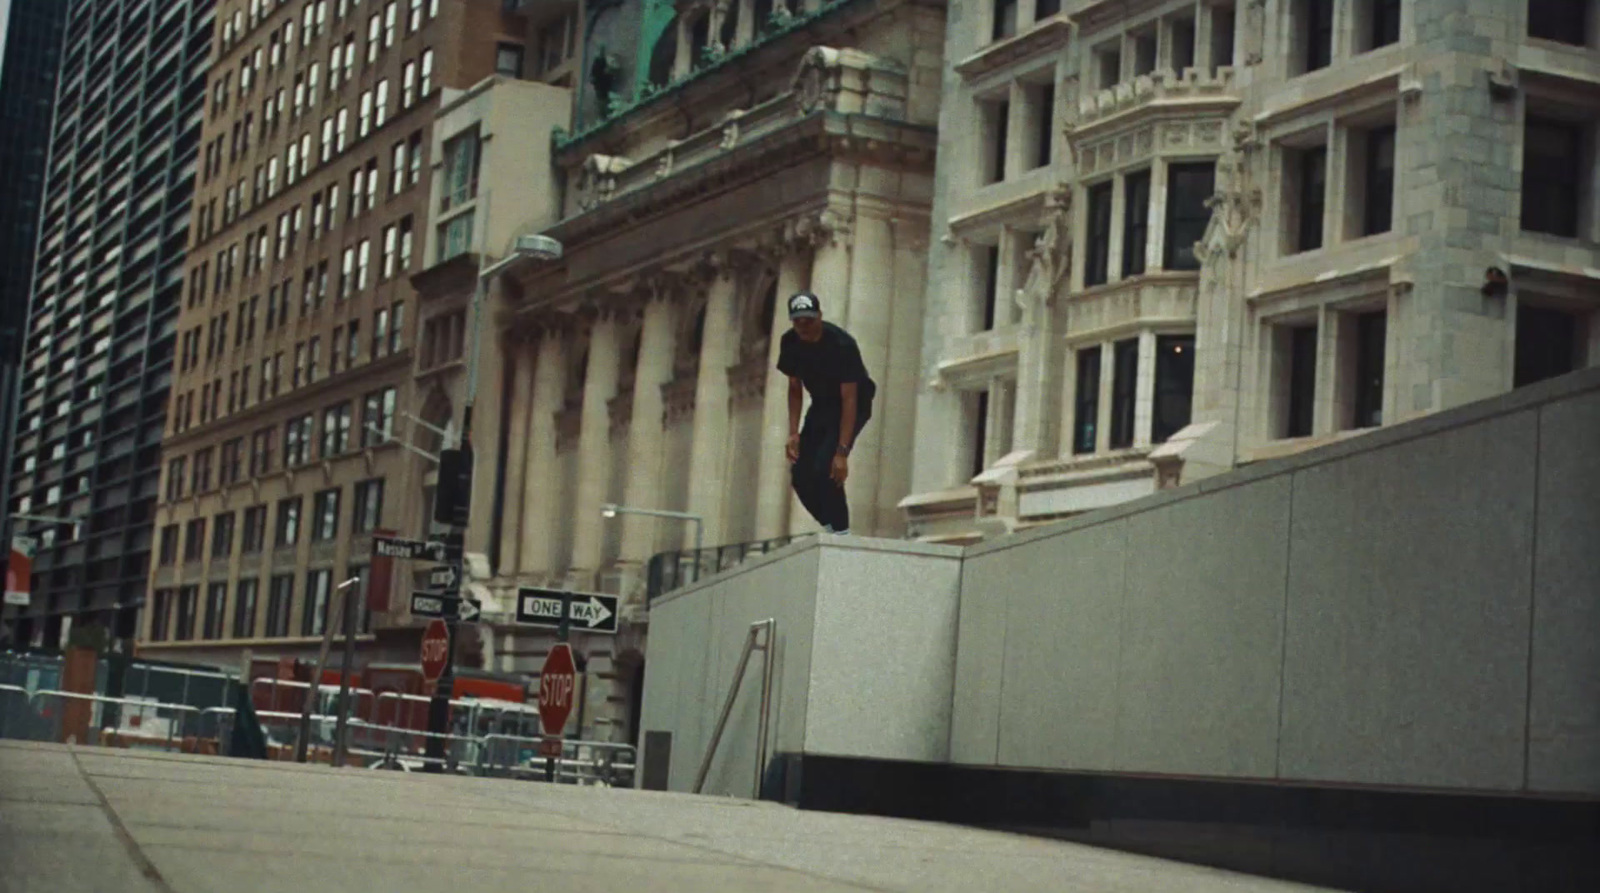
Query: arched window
[664, 55]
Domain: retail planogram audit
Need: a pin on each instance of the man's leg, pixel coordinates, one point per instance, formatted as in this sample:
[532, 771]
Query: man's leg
[840, 510]
[809, 481]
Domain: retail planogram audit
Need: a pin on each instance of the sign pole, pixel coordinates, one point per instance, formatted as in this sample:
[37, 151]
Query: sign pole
[439, 707]
[341, 726]
[563, 631]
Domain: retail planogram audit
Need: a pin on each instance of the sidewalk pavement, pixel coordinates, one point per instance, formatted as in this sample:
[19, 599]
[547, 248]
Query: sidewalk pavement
[91, 819]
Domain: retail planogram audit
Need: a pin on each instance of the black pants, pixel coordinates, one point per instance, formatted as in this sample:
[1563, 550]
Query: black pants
[811, 474]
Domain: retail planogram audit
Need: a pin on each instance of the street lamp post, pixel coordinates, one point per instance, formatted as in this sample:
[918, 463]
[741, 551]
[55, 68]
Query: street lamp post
[611, 510]
[527, 247]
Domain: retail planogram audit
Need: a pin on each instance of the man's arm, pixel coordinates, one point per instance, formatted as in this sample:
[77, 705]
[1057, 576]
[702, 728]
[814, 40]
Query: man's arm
[796, 398]
[847, 416]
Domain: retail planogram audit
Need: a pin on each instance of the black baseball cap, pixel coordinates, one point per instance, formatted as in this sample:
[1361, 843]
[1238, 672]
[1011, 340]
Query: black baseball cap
[804, 304]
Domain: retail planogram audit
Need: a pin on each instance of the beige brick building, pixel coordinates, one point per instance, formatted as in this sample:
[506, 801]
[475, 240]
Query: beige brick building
[1175, 237]
[296, 384]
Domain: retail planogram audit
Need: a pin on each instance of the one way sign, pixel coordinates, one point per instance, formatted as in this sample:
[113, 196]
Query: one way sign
[591, 612]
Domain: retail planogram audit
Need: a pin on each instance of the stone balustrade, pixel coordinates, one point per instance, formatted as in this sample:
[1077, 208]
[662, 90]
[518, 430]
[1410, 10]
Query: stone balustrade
[1193, 83]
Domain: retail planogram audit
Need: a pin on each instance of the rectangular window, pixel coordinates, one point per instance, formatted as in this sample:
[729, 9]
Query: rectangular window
[325, 515]
[253, 531]
[460, 170]
[1384, 23]
[1189, 186]
[1371, 331]
[1316, 34]
[353, 343]
[363, 261]
[508, 60]
[188, 596]
[405, 244]
[455, 237]
[1552, 176]
[1086, 401]
[216, 609]
[1044, 111]
[408, 84]
[1302, 379]
[335, 430]
[168, 550]
[991, 285]
[380, 103]
[1563, 21]
[319, 586]
[288, 532]
[980, 438]
[279, 601]
[1044, 9]
[244, 609]
[1097, 264]
[1005, 19]
[228, 469]
[427, 72]
[369, 506]
[390, 244]
[302, 453]
[380, 331]
[1548, 344]
[374, 37]
[1135, 222]
[1378, 180]
[397, 325]
[222, 536]
[1124, 391]
[1174, 390]
[1308, 174]
[160, 614]
[997, 119]
[377, 417]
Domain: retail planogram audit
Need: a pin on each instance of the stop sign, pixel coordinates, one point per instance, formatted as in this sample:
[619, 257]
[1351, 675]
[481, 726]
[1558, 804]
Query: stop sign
[557, 681]
[435, 649]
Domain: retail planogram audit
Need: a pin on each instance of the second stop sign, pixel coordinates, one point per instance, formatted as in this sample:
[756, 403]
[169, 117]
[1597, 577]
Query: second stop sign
[557, 682]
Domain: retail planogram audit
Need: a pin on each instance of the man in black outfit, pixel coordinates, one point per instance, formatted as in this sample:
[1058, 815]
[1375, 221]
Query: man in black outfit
[824, 360]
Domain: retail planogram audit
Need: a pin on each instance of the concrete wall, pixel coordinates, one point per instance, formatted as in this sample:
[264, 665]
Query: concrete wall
[863, 657]
[1417, 606]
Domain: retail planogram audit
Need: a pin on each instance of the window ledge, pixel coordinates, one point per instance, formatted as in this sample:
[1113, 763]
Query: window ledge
[1046, 34]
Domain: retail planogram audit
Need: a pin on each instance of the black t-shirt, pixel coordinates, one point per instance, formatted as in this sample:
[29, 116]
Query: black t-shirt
[823, 366]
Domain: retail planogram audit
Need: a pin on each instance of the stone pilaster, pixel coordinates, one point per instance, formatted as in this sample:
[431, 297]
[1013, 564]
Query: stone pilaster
[709, 455]
[520, 356]
[539, 505]
[594, 448]
[773, 492]
[646, 436]
[872, 293]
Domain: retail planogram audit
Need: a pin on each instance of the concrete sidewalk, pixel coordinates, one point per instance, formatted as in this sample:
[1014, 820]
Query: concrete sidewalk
[88, 819]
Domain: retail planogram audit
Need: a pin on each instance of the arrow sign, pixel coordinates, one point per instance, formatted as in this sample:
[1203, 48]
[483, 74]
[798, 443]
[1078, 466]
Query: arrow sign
[591, 612]
[469, 610]
[396, 547]
[427, 604]
[445, 578]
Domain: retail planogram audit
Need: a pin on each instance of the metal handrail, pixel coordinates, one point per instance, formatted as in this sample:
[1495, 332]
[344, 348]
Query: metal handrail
[107, 699]
[750, 644]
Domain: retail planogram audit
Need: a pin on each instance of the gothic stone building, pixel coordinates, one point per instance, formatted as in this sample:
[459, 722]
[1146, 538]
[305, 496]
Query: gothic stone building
[1172, 238]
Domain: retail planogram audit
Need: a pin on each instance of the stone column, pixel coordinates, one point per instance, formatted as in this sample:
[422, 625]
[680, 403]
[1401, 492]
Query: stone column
[539, 532]
[594, 449]
[1144, 391]
[872, 293]
[521, 356]
[773, 493]
[646, 436]
[708, 463]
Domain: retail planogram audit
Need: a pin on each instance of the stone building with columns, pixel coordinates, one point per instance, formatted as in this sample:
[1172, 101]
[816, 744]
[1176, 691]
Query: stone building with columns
[1171, 237]
[760, 150]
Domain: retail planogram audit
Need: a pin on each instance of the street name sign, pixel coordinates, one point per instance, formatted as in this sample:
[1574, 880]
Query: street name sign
[398, 547]
[590, 611]
[437, 604]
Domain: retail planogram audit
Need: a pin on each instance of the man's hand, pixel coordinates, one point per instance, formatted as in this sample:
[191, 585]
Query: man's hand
[793, 449]
[840, 469]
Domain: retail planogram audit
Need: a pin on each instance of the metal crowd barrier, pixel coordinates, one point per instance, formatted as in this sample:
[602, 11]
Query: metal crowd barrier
[494, 755]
